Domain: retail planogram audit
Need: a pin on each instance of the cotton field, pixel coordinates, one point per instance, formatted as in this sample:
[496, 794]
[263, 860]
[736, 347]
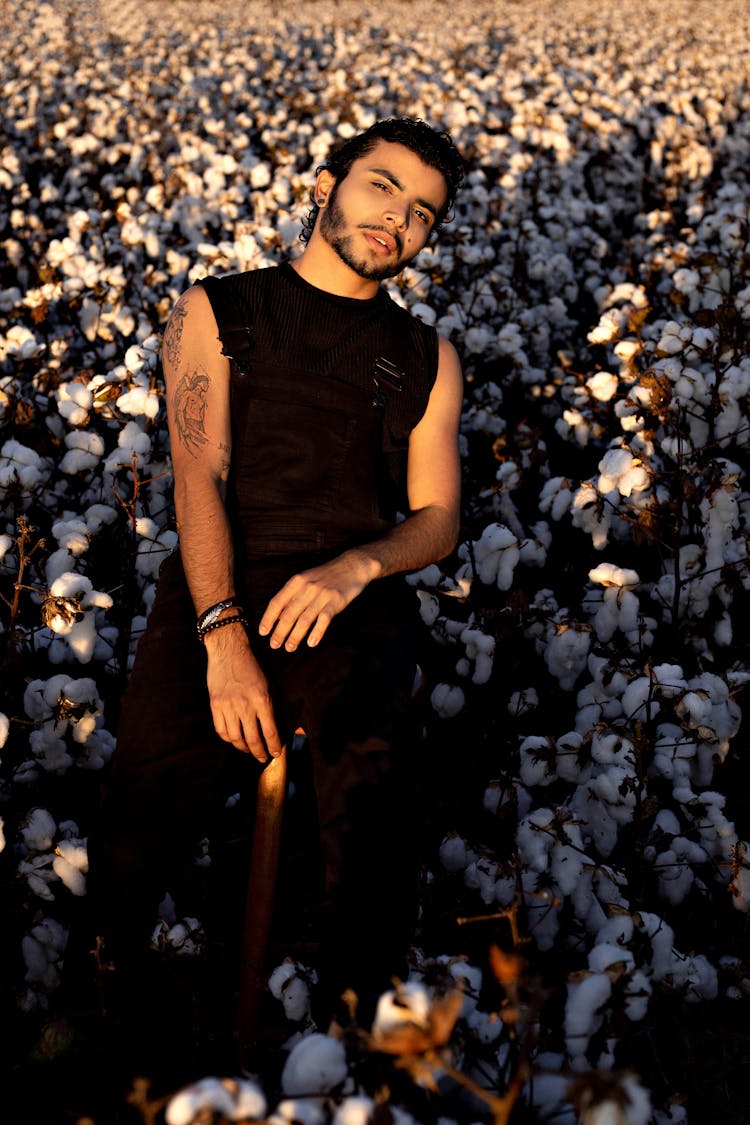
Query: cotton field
[590, 658]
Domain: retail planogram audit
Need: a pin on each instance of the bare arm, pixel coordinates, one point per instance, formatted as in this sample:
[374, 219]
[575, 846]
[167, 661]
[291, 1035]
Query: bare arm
[197, 380]
[307, 603]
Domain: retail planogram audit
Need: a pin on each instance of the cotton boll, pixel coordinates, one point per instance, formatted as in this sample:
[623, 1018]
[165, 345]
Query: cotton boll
[38, 830]
[153, 546]
[42, 949]
[298, 1111]
[496, 554]
[468, 977]
[480, 649]
[288, 986]
[535, 838]
[20, 465]
[661, 937]
[566, 653]
[522, 702]
[74, 402]
[316, 1065]
[609, 749]
[583, 1013]
[131, 442]
[696, 977]
[555, 497]
[592, 515]
[629, 1104]
[637, 699]
[447, 700]
[566, 866]
[234, 1099]
[607, 616]
[410, 1004]
[537, 761]
[139, 401]
[604, 955]
[603, 386]
[670, 678]
[70, 867]
[453, 853]
[607, 574]
[570, 759]
[547, 1095]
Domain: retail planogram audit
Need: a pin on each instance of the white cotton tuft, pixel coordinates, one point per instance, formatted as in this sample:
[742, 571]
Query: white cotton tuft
[583, 1009]
[39, 830]
[316, 1065]
[453, 855]
[409, 1004]
[354, 1111]
[447, 700]
[234, 1099]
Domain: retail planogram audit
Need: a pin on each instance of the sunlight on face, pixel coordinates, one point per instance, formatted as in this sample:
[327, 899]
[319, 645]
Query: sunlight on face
[380, 215]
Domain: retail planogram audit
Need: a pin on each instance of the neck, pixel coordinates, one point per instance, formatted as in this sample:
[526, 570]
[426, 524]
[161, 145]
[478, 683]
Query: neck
[321, 266]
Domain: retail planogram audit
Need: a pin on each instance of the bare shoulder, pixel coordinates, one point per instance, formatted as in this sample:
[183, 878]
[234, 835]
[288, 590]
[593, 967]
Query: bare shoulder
[446, 352]
[449, 375]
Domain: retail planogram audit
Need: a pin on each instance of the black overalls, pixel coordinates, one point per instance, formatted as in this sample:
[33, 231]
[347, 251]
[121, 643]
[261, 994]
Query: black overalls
[324, 393]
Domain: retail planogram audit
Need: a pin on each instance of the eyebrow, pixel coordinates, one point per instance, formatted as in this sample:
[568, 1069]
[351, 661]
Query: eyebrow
[397, 184]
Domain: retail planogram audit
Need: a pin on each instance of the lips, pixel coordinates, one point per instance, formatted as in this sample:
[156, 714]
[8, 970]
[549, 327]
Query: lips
[380, 241]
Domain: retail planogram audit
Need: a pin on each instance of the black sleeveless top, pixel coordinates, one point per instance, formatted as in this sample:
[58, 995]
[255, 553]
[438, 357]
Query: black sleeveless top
[325, 391]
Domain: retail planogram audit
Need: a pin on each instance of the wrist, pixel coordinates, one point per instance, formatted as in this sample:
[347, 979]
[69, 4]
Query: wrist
[367, 566]
[227, 635]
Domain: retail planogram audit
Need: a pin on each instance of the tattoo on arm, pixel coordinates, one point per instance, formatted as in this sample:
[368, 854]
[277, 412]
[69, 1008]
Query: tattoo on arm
[173, 332]
[189, 404]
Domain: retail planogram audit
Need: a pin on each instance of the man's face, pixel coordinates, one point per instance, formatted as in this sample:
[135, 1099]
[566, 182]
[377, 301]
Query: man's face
[380, 215]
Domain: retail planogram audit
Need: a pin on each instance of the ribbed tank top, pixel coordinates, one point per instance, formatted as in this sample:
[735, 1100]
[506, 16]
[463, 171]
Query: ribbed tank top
[321, 384]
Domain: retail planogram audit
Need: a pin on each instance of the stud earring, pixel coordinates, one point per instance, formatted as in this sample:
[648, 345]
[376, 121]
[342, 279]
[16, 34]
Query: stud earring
[320, 202]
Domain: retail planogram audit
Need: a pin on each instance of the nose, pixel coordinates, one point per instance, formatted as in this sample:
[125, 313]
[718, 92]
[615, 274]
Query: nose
[398, 214]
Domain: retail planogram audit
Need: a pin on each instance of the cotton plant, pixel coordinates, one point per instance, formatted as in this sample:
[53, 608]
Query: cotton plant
[68, 726]
[23, 473]
[69, 612]
[290, 983]
[43, 949]
[52, 854]
[628, 363]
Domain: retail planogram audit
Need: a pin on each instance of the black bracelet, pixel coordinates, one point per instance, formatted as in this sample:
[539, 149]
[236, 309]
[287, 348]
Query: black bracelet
[237, 617]
[209, 615]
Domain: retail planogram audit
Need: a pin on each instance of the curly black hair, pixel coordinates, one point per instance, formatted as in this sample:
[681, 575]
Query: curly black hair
[434, 148]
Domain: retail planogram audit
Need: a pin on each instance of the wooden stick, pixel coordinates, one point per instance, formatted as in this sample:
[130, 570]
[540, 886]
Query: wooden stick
[261, 888]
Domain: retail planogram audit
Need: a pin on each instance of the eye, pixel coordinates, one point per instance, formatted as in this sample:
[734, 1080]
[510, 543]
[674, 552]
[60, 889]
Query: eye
[422, 216]
[382, 186]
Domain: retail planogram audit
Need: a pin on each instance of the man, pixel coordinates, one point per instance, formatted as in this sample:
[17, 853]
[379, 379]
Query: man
[313, 428]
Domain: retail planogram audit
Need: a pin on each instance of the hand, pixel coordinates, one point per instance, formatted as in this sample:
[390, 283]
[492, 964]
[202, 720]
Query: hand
[308, 602]
[238, 690]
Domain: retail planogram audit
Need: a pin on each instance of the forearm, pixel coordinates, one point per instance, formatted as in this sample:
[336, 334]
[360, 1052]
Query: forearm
[205, 544]
[423, 537]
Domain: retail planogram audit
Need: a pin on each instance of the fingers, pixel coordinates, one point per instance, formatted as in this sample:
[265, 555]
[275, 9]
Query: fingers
[253, 731]
[300, 609]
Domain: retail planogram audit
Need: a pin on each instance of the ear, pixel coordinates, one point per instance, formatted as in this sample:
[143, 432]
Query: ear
[323, 186]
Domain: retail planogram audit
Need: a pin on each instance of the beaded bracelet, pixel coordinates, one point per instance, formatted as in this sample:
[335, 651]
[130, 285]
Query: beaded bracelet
[237, 617]
[209, 615]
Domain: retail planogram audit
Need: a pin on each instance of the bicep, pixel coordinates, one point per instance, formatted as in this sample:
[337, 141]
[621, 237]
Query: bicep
[197, 383]
[434, 470]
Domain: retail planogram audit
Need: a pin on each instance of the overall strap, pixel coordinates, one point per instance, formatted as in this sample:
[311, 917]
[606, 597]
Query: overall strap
[235, 334]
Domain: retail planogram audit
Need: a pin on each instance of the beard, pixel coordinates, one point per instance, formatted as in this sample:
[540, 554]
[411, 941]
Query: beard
[332, 227]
